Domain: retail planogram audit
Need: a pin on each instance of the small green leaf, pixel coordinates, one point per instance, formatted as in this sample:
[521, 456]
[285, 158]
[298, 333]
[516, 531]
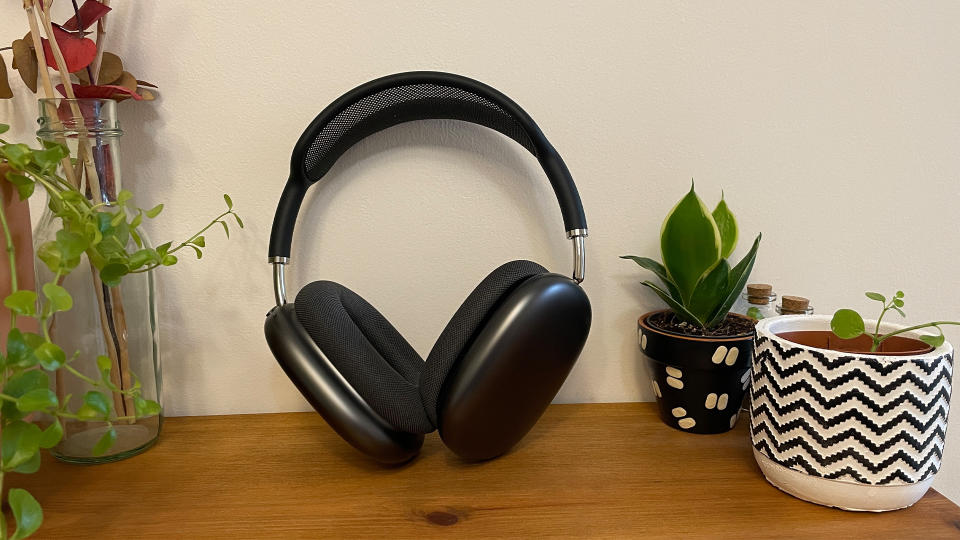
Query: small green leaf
[24, 185]
[50, 254]
[933, 341]
[105, 442]
[118, 218]
[727, 225]
[124, 196]
[755, 313]
[58, 296]
[39, 399]
[155, 211]
[113, 273]
[168, 260]
[137, 220]
[877, 296]
[898, 302]
[30, 466]
[19, 155]
[196, 250]
[52, 435]
[18, 352]
[71, 244]
[51, 356]
[22, 302]
[140, 258]
[239, 221]
[847, 324]
[200, 241]
[136, 238]
[899, 294]
[88, 413]
[104, 363]
[228, 201]
[98, 402]
[226, 229]
[20, 441]
[900, 311]
[162, 249]
[146, 407]
[4, 128]
[26, 512]
[26, 381]
[49, 158]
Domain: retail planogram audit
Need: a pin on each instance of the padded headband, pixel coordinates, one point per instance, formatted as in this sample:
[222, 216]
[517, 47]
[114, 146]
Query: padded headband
[404, 97]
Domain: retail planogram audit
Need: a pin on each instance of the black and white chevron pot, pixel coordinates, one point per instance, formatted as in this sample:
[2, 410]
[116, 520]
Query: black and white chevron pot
[854, 431]
[699, 381]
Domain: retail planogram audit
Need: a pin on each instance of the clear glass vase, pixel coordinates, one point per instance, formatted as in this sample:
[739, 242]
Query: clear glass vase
[117, 322]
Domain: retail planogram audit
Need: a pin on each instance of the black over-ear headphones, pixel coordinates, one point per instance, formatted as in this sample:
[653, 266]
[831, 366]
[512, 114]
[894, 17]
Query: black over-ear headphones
[500, 360]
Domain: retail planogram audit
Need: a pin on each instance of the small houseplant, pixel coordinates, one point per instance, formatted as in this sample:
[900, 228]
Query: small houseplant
[698, 353]
[846, 417]
[33, 416]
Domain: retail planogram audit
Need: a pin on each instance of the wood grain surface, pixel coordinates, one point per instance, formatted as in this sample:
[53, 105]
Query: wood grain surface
[597, 470]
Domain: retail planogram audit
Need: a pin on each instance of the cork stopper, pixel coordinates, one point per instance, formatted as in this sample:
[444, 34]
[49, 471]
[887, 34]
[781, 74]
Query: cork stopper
[794, 304]
[759, 293]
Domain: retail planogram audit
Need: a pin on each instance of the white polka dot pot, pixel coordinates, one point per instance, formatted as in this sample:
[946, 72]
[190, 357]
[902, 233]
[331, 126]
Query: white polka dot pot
[857, 431]
[699, 382]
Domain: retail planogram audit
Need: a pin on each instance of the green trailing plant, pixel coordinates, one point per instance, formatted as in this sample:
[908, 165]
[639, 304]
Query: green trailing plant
[849, 324]
[695, 243]
[30, 412]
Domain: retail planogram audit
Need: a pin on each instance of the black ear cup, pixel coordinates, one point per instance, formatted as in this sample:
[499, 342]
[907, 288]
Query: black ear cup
[459, 332]
[367, 350]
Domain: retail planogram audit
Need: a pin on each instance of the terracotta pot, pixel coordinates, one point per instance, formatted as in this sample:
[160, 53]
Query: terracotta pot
[699, 381]
[854, 430]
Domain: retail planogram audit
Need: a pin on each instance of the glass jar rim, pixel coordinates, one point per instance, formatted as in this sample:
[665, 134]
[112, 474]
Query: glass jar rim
[75, 115]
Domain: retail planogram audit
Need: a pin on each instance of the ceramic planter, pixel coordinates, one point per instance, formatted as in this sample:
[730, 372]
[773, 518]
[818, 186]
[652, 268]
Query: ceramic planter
[699, 381]
[857, 431]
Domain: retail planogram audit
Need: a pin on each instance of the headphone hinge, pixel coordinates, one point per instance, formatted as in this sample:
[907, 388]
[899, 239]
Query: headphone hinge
[279, 280]
[579, 253]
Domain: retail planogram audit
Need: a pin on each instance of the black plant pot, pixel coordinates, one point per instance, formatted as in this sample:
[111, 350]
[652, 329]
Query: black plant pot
[699, 381]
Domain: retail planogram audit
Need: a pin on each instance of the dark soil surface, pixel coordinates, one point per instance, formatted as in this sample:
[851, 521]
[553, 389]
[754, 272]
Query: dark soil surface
[730, 327]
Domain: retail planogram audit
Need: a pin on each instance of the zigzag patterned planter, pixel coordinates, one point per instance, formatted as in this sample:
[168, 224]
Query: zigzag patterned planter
[854, 431]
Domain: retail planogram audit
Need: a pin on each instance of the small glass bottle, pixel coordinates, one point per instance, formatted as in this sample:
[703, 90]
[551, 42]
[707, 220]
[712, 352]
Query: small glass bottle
[794, 305]
[757, 301]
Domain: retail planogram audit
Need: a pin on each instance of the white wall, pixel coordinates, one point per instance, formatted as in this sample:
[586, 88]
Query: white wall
[833, 128]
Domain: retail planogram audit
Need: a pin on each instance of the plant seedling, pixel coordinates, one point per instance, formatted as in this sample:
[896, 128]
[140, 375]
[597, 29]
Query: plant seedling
[848, 324]
[695, 243]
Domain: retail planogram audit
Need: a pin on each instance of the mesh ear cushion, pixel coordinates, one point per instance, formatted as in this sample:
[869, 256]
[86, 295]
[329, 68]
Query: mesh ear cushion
[459, 332]
[367, 350]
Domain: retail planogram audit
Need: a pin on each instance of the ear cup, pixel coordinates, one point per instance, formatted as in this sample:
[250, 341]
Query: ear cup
[367, 350]
[467, 320]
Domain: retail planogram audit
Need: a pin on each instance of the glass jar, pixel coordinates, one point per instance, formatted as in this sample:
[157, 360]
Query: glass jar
[794, 305]
[757, 301]
[118, 322]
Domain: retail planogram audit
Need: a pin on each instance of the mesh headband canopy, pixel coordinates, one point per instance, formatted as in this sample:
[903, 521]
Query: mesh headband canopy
[405, 97]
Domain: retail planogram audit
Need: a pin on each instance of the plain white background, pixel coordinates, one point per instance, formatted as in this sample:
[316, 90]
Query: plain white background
[833, 128]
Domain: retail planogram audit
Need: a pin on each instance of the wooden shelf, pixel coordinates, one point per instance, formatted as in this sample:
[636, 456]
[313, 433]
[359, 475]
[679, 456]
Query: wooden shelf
[608, 470]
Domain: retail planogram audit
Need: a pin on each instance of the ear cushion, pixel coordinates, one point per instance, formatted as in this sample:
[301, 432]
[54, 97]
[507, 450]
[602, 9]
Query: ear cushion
[459, 332]
[367, 350]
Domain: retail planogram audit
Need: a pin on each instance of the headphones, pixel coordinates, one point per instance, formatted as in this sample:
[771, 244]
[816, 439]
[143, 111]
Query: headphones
[502, 357]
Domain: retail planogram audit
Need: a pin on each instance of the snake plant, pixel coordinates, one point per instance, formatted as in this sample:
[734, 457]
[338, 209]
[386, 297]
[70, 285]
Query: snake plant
[695, 243]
